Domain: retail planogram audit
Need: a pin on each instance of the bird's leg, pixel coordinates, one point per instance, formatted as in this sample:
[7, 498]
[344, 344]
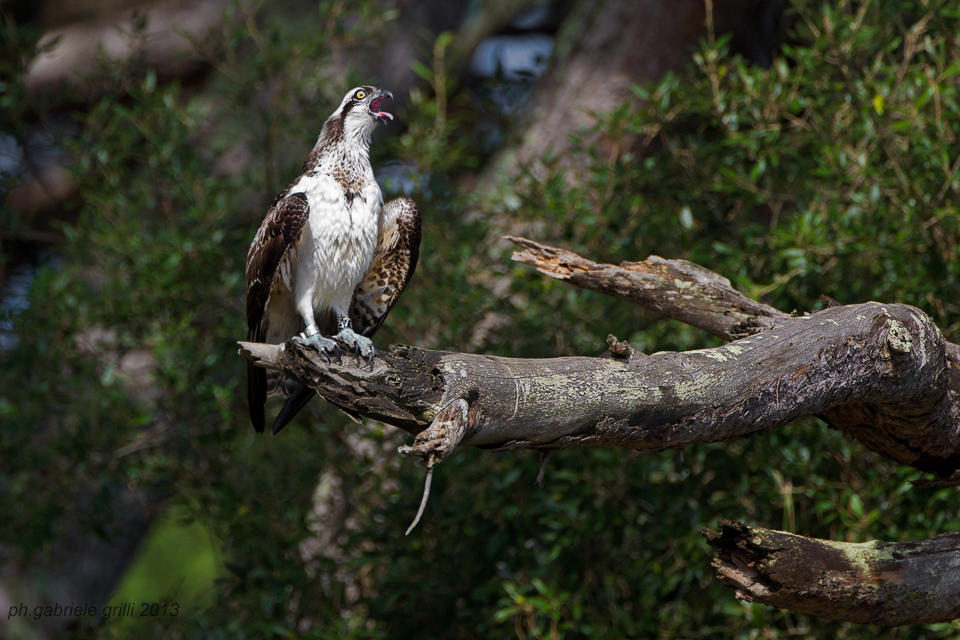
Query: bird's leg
[312, 339]
[361, 346]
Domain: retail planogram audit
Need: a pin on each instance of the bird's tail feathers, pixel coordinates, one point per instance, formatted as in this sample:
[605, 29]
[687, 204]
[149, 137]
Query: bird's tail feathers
[302, 394]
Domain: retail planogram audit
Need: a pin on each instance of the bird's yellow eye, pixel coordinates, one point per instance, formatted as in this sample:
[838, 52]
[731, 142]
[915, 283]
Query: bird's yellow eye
[360, 95]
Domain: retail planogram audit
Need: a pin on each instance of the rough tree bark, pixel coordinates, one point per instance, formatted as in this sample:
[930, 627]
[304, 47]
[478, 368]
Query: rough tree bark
[880, 373]
[869, 583]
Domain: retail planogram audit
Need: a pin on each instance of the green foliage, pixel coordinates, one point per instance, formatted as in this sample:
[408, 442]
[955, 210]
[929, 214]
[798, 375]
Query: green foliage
[834, 172]
[108, 302]
[431, 138]
[17, 48]
[150, 580]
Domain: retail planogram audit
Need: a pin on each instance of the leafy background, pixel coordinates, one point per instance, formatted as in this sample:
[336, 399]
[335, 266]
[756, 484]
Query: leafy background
[833, 172]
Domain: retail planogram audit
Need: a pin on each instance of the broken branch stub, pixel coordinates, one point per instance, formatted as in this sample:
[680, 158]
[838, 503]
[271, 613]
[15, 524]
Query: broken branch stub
[888, 584]
[675, 289]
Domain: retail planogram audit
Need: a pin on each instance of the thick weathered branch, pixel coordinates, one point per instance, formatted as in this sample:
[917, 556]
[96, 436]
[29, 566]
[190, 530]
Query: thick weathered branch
[684, 291]
[402, 387]
[880, 583]
[878, 371]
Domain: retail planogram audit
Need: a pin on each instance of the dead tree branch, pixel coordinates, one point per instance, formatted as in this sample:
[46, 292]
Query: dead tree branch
[880, 373]
[870, 583]
[673, 288]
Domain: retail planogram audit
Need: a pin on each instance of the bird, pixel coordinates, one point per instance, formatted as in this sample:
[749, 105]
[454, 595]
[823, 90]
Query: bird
[330, 258]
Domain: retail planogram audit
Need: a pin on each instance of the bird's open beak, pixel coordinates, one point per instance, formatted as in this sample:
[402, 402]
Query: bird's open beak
[380, 116]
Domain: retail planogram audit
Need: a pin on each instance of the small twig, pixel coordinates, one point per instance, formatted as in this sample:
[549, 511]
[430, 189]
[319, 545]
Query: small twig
[711, 35]
[435, 442]
[952, 480]
[426, 495]
[617, 348]
[828, 302]
[542, 467]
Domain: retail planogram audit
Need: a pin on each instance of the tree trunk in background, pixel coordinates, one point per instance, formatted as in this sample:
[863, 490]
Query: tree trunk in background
[419, 21]
[625, 42]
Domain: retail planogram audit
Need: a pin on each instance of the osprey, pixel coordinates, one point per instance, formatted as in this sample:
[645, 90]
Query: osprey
[330, 258]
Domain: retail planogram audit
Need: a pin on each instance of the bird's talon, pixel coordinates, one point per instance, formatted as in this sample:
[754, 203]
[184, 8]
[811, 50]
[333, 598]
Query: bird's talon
[325, 347]
[361, 346]
[331, 352]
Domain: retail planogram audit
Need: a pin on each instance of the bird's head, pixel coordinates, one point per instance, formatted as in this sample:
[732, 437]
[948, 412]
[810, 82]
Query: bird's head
[360, 109]
[354, 120]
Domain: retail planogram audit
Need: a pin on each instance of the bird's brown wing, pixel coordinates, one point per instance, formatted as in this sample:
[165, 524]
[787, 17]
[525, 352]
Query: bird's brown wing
[393, 265]
[272, 254]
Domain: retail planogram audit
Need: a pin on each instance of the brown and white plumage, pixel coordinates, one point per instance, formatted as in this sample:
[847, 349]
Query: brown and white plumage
[329, 255]
[398, 250]
[273, 251]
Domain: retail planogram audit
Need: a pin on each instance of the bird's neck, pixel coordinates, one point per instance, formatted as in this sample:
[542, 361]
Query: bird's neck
[344, 148]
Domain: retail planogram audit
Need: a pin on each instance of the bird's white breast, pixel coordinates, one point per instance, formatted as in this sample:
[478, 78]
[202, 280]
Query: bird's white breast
[339, 240]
